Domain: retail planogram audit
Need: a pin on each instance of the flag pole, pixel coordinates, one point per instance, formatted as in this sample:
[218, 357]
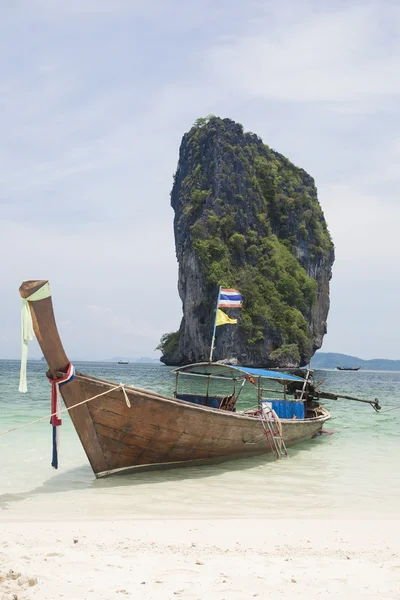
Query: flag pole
[215, 325]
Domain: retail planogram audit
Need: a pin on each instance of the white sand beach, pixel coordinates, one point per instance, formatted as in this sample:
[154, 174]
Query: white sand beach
[200, 559]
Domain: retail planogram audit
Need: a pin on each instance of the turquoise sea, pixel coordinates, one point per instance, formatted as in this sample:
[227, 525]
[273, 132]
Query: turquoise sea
[353, 473]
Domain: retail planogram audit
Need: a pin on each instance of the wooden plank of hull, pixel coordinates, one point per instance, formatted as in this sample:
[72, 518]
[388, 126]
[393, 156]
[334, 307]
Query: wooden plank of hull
[84, 425]
[161, 431]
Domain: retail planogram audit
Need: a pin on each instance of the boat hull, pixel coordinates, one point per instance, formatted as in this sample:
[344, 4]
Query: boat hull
[157, 431]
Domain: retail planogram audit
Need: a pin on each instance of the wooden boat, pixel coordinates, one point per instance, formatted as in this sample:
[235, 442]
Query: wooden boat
[348, 368]
[123, 428]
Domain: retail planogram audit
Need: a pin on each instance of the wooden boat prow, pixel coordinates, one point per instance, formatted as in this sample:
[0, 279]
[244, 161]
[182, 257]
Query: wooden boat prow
[128, 428]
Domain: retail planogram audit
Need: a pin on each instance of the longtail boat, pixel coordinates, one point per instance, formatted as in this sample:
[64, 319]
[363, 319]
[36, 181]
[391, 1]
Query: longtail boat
[348, 368]
[124, 428]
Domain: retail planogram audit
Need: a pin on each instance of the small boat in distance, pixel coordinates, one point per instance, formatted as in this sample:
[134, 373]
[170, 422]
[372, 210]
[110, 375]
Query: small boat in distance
[124, 428]
[123, 362]
[348, 368]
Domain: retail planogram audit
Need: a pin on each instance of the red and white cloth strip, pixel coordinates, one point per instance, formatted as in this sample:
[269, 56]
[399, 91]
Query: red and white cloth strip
[55, 419]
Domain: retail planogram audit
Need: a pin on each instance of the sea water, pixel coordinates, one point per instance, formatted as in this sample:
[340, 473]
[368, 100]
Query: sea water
[354, 472]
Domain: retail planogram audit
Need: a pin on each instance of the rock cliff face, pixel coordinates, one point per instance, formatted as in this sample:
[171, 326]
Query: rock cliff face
[247, 218]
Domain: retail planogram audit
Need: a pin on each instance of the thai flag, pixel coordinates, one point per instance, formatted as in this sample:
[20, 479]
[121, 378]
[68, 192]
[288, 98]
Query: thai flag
[229, 298]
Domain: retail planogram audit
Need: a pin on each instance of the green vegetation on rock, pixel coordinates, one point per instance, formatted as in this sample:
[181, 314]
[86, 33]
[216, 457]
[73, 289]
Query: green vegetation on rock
[254, 222]
[169, 343]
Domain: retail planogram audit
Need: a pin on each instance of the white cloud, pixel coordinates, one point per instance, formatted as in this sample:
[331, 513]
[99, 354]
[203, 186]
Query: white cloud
[92, 114]
[364, 227]
[81, 8]
[130, 275]
[366, 274]
[332, 57]
[125, 324]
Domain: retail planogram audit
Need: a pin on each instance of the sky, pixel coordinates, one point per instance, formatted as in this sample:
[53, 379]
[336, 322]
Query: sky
[95, 96]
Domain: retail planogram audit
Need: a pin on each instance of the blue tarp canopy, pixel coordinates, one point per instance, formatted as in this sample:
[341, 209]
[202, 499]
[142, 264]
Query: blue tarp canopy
[233, 372]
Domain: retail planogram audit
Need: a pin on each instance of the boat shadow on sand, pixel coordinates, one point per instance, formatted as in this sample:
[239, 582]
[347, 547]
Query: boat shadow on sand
[82, 478]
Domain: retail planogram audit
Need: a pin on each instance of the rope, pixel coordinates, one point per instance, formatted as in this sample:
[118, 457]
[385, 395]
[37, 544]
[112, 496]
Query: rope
[47, 417]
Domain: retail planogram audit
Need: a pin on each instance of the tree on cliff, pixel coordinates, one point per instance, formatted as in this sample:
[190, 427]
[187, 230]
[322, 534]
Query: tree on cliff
[246, 217]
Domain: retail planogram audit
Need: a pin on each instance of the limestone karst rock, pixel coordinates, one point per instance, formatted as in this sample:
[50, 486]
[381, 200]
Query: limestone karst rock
[247, 218]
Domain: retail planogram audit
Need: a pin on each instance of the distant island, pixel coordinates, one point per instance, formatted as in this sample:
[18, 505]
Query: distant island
[331, 360]
[321, 360]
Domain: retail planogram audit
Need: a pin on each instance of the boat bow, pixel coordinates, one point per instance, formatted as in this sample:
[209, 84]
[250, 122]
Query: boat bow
[46, 332]
[44, 326]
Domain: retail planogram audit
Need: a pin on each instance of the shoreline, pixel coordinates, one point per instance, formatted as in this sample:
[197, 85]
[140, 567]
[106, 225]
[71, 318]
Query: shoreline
[365, 517]
[222, 559]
